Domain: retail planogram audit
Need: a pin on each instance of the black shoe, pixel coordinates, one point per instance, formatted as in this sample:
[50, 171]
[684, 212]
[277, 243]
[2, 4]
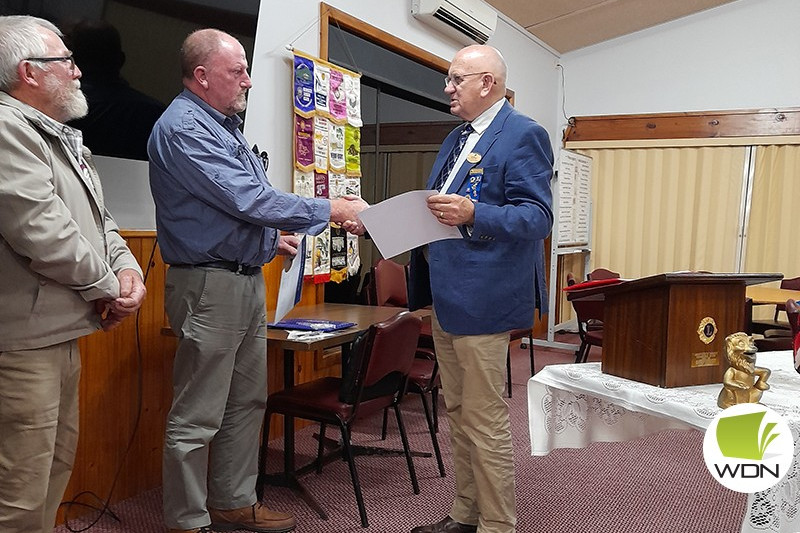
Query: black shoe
[448, 525]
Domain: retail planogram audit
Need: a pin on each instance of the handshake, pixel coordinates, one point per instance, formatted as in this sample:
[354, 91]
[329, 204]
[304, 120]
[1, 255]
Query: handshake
[345, 210]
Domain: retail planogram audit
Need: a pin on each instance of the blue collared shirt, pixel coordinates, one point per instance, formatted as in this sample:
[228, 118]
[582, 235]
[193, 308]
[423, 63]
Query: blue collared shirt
[213, 199]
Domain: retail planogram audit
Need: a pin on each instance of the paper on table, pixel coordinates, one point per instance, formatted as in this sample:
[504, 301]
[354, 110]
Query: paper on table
[291, 286]
[403, 222]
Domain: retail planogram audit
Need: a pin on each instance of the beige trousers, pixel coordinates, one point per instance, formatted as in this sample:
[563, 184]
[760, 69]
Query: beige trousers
[473, 369]
[38, 434]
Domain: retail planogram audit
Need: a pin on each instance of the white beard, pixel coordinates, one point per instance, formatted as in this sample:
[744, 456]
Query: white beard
[68, 99]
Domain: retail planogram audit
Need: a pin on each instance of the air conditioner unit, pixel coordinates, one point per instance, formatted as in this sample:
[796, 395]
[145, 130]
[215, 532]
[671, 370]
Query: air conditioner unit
[467, 21]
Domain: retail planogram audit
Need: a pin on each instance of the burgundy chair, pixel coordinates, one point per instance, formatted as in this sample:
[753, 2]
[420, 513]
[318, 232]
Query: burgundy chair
[589, 315]
[793, 313]
[391, 289]
[775, 327]
[601, 273]
[423, 379]
[375, 379]
[792, 284]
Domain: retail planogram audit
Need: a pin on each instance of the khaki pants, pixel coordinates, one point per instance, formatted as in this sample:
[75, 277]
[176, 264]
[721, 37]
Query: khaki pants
[38, 434]
[219, 393]
[473, 369]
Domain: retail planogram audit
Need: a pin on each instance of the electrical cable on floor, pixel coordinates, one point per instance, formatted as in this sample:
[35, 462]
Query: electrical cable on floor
[102, 506]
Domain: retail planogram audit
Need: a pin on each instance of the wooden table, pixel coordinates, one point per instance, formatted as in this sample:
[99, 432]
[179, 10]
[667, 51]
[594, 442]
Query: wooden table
[363, 316]
[770, 295]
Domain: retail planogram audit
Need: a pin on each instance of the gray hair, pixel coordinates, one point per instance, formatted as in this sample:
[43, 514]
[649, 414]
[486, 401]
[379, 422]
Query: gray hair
[20, 39]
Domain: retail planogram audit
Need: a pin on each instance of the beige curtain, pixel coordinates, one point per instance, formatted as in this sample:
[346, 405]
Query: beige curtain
[665, 209]
[662, 209]
[771, 244]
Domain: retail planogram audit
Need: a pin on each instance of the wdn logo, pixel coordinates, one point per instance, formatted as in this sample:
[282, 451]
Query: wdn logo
[748, 447]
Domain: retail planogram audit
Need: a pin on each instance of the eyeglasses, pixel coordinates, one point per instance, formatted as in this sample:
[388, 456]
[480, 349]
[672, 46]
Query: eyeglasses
[458, 79]
[55, 59]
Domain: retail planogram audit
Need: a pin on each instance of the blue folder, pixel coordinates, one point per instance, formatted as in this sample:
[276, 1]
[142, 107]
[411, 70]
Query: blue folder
[311, 324]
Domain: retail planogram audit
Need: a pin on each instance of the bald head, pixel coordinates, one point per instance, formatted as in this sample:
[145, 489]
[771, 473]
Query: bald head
[485, 58]
[200, 46]
[477, 80]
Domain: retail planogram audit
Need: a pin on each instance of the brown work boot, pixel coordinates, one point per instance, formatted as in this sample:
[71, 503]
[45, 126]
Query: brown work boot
[254, 518]
[204, 529]
[447, 525]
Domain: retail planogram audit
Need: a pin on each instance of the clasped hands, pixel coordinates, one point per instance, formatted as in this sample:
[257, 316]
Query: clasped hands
[131, 295]
[345, 210]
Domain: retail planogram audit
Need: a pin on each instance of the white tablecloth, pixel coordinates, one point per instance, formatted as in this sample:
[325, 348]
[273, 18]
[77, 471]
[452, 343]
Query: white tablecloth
[570, 406]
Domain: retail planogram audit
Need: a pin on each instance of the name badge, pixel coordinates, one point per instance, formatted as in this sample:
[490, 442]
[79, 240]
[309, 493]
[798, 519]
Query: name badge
[474, 182]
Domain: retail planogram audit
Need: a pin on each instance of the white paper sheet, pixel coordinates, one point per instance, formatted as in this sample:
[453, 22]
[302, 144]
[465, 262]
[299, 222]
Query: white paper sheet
[404, 222]
[291, 285]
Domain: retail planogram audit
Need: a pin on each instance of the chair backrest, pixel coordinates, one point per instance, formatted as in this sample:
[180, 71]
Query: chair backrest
[791, 283]
[588, 311]
[390, 284]
[601, 273]
[793, 312]
[381, 360]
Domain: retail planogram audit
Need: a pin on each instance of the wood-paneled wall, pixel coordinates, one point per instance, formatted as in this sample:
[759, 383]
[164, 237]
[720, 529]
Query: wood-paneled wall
[128, 378]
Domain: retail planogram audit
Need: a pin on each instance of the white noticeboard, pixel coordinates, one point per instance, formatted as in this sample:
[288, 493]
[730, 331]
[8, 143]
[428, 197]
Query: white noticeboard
[574, 199]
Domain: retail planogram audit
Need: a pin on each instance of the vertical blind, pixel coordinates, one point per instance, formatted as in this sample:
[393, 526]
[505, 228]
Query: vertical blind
[664, 209]
[661, 209]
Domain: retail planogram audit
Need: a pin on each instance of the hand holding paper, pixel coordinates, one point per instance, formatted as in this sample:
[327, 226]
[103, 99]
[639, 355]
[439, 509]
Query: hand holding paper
[452, 209]
[403, 222]
[291, 286]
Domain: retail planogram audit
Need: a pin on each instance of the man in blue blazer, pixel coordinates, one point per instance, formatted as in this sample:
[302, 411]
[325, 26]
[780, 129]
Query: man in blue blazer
[496, 190]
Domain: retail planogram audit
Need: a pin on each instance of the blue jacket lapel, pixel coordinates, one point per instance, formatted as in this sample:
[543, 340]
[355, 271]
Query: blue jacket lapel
[484, 144]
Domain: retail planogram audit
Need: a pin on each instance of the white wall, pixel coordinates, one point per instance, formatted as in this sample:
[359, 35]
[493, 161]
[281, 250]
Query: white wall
[532, 74]
[742, 55]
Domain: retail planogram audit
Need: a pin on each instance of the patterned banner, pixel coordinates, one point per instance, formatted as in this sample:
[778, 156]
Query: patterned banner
[327, 157]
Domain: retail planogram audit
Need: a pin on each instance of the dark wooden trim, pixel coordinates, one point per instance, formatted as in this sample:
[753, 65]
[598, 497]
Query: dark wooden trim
[229, 21]
[330, 15]
[689, 125]
[408, 133]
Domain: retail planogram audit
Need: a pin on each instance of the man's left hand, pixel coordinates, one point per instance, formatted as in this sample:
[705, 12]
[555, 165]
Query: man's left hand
[288, 244]
[131, 295]
[452, 209]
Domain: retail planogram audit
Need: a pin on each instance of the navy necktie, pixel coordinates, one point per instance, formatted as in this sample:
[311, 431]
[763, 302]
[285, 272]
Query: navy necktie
[452, 157]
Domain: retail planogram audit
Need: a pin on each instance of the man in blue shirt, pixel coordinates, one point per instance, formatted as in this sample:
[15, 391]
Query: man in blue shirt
[218, 219]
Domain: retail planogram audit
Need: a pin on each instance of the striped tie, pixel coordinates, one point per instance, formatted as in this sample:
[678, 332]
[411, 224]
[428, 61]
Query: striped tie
[451, 159]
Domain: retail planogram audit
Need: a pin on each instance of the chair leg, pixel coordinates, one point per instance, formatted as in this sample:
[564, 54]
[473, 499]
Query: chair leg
[321, 447]
[434, 440]
[435, 405]
[348, 453]
[586, 353]
[508, 370]
[262, 455]
[406, 449]
[385, 423]
[530, 350]
[579, 351]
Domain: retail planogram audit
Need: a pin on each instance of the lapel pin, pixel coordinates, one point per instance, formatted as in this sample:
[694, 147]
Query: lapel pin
[473, 157]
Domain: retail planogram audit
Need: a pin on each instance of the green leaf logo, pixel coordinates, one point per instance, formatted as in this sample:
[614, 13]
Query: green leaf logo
[739, 437]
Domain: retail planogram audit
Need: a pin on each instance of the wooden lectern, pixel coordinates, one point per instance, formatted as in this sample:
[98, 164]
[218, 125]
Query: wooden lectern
[669, 330]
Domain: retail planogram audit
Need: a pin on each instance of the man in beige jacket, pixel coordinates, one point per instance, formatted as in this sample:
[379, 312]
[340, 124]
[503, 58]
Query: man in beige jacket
[64, 269]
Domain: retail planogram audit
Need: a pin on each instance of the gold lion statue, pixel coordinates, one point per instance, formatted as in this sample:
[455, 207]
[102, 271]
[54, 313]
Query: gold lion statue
[743, 382]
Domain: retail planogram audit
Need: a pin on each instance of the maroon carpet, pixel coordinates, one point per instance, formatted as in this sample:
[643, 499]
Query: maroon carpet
[653, 485]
